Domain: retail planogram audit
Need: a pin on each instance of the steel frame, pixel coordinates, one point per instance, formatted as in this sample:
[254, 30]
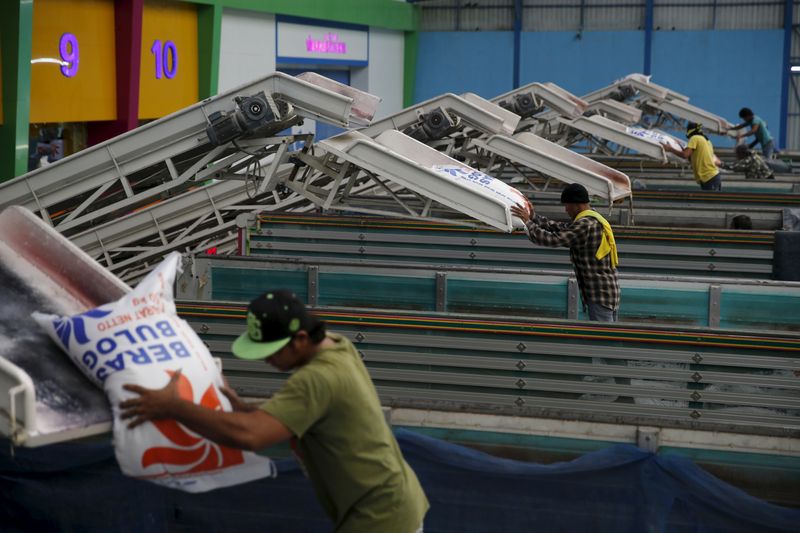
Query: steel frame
[456, 362]
[197, 282]
[167, 186]
[726, 253]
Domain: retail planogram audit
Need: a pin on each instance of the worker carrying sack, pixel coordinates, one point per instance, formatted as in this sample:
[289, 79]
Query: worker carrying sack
[139, 339]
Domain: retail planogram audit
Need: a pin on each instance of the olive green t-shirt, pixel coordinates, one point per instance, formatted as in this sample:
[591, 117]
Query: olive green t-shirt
[346, 446]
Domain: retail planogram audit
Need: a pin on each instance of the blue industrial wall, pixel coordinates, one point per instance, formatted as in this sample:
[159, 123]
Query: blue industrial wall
[457, 62]
[583, 64]
[720, 71]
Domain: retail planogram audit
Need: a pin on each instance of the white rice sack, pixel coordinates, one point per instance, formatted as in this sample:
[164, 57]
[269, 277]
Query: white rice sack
[661, 138]
[139, 339]
[486, 184]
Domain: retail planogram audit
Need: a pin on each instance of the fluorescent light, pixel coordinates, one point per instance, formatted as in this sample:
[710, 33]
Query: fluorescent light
[795, 68]
[56, 61]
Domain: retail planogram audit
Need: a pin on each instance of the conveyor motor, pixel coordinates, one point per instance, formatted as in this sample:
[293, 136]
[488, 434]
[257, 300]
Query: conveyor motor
[252, 113]
[434, 125]
[623, 93]
[523, 104]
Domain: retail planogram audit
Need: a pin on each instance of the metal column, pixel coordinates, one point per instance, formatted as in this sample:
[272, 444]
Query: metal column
[648, 36]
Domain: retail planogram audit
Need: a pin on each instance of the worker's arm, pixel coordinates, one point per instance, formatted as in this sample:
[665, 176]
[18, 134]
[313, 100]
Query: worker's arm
[752, 131]
[248, 430]
[686, 152]
[529, 217]
[566, 235]
[237, 403]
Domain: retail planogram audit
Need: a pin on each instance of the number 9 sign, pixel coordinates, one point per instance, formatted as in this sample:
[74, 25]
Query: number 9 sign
[70, 54]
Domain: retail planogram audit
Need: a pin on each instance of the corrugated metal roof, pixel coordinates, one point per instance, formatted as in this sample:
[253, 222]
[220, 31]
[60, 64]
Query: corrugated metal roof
[625, 15]
[596, 15]
[683, 15]
[793, 120]
[488, 15]
[793, 123]
[439, 15]
[601, 15]
[749, 15]
[550, 15]
[467, 15]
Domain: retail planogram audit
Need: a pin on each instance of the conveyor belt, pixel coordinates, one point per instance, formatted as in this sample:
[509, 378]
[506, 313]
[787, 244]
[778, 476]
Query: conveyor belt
[43, 397]
[65, 398]
[481, 133]
[204, 161]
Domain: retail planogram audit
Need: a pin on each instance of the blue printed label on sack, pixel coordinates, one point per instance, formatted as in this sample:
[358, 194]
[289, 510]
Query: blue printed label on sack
[140, 345]
[473, 177]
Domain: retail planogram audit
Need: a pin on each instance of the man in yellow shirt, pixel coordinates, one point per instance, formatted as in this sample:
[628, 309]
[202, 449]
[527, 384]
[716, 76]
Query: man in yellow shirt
[701, 154]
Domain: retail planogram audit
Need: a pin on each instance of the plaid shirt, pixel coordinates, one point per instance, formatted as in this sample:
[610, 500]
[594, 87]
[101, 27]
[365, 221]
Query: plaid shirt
[753, 167]
[597, 279]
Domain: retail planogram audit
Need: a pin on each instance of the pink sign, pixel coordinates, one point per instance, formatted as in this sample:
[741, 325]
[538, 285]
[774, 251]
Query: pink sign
[329, 44]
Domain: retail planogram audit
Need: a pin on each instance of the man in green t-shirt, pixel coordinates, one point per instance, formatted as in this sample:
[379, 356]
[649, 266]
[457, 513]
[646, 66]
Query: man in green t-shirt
[328, 408]
[700, 152]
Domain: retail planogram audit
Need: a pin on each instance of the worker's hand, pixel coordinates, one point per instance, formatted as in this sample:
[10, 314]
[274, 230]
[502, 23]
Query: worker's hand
[523, 214]
[237, 404]
[152, 404]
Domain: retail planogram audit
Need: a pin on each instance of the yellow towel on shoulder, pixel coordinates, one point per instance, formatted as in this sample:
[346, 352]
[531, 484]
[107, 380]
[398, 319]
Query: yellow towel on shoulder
[607, 245]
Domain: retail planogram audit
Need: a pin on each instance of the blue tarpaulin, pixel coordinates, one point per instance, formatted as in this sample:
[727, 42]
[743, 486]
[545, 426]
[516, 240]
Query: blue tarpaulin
[78, 487]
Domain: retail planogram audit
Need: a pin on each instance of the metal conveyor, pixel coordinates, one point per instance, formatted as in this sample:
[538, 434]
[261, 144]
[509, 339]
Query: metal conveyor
[43, 397]
[481, 133]
[661, 107]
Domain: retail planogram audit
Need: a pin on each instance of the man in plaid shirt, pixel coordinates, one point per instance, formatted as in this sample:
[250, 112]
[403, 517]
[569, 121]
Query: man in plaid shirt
[591, 246]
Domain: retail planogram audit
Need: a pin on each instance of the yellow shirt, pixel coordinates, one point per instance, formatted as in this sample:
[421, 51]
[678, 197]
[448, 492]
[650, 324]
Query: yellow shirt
[702, 158]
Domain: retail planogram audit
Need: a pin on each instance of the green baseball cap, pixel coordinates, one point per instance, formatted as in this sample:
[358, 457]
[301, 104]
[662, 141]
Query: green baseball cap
[272, 320]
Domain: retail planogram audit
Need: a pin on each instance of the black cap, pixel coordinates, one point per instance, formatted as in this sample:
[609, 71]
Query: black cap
[692, 128]
[272, 320]
[574, 193]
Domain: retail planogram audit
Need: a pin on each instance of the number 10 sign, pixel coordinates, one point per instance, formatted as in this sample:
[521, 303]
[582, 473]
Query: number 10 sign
[166, 57]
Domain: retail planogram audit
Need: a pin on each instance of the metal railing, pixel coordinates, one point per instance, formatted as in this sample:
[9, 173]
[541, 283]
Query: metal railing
[651, 375]
[696, 301]
[723, 253]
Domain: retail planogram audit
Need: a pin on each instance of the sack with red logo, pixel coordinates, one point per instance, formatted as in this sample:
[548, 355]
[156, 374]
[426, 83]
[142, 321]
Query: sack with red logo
[139, 339]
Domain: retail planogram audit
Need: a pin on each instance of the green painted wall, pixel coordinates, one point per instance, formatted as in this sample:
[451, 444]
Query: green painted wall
[387, 14]
[16, 29]
[209, 35]
[410, 67]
